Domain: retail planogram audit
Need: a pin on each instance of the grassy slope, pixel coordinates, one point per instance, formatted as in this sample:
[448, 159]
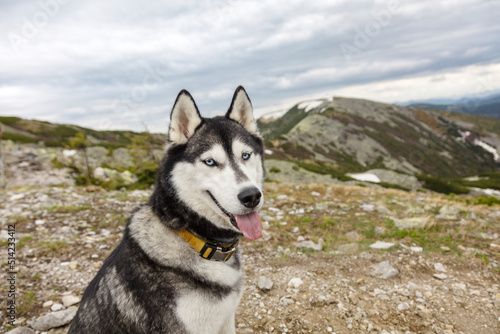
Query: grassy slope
[58, 135]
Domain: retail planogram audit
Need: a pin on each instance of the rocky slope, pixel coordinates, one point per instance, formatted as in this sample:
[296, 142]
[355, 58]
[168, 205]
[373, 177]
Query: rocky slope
[332, 259]
[350, 135]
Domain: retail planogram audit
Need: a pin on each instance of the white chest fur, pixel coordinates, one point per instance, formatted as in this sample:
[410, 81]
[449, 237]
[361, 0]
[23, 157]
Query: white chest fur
[201, 314]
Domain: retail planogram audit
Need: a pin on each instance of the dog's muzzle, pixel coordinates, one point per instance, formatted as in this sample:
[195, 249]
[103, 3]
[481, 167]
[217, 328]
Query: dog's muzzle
[227, 213]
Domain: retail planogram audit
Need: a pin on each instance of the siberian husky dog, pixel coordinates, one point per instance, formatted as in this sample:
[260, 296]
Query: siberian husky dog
[178, 267]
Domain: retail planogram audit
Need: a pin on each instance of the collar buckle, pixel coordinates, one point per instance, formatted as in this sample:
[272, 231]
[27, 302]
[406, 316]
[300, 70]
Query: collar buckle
[217, 253]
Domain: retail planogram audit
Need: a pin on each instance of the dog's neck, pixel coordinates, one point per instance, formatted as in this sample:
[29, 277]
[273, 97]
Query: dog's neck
[207, 250]
[183, 218]
[212, 234]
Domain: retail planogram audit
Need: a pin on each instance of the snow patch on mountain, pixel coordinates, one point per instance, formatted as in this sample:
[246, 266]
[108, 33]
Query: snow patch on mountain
[487, 147]
[367, 177]
[309, 105]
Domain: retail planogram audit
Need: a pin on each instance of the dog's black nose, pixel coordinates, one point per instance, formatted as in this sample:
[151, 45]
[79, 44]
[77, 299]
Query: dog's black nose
[250, 197]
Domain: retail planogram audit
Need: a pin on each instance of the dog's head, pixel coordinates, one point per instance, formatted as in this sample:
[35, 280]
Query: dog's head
[217, 163]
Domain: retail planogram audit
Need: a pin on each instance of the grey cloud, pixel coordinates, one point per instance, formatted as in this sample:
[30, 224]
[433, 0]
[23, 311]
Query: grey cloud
[93, 55]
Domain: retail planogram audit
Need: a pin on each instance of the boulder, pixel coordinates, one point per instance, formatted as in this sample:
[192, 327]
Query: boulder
[54, 319]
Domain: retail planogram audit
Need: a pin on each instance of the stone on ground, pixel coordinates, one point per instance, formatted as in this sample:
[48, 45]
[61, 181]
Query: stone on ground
[54, 319]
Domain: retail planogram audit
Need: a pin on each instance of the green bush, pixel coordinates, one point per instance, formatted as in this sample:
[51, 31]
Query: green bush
[442, 185]
[487, 200]
[318, 169]
[489, 180]
[392, 186]
[275, 170]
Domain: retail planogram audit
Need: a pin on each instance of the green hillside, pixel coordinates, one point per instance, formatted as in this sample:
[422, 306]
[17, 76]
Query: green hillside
[58, 135]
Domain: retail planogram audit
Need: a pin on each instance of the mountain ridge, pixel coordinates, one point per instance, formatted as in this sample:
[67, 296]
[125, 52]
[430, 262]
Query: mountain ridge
[346, 135]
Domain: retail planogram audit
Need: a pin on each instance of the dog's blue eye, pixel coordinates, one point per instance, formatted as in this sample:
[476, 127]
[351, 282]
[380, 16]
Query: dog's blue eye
[209, 162]
[245, 156]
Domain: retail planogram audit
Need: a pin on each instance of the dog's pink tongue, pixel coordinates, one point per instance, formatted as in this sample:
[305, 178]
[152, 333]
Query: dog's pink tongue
[250, 225]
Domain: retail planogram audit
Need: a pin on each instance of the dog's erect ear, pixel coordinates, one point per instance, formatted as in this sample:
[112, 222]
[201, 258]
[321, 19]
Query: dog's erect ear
[184, 119]
[241, 111]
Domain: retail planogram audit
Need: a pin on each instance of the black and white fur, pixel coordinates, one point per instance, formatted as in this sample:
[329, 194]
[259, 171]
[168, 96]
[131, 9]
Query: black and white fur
[154, 281]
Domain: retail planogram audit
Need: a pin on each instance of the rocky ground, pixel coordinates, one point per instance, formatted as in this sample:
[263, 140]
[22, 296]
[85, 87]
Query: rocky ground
[332, 259]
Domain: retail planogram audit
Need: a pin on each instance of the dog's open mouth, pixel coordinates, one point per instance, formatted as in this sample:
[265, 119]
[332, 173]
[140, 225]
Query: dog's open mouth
[249, 224]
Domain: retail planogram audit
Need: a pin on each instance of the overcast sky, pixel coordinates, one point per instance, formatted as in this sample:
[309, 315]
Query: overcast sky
[120, 64]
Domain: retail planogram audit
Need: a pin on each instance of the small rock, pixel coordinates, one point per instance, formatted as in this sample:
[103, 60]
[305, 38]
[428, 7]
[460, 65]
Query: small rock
[54, 319]
[309, 244]
[425, 313]
[73, 265]
[403, 306]
[413, 249]
[266, 236]
[265, 284]
[448, 212]
[413, 222]
[295, 282]
[56, 307]
[440, 276]
[70, 300]
[48, 303]
[416, 249]
[381, 245]
[368, 207]
[439, 267]
[300, 238]
[316, 194]
[94, 256]
[445, 248]
[21, 330]
[495, 247]
[285, 301]
[384, 270]
[39, 222]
